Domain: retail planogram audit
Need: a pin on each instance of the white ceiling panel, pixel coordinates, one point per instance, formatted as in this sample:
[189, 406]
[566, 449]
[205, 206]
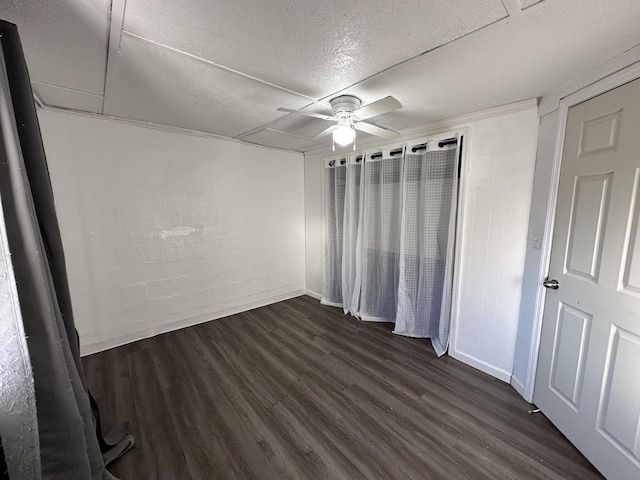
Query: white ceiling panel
[66, 98]
[315, 47]
[65, 41]
[225, 66]
[508, 62]
[155, 84]
[302, 126]
[277, 139]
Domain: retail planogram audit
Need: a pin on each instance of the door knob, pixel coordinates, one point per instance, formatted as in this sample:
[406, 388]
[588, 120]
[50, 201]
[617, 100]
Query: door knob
[552, 284]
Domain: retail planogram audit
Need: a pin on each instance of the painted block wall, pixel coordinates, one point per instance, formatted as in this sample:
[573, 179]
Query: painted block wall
[496, 199]
[164, 230]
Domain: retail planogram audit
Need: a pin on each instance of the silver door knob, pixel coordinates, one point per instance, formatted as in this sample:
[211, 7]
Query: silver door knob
[552, 284]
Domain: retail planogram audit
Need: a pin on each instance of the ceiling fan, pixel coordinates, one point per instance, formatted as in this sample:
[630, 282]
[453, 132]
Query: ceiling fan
[349, 116]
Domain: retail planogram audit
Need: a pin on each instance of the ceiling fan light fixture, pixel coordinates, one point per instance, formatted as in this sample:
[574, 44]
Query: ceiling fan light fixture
[349, 114]
[344, 135]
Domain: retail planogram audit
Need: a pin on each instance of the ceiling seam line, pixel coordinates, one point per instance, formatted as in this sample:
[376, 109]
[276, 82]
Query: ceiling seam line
[115, 33]
[267, 126]
[75, 90]
[157, 126]
[222, 67]
[301, 137]
[410, 59]
[338, 92]
[262, 127]
[513, 7]
[106, 60]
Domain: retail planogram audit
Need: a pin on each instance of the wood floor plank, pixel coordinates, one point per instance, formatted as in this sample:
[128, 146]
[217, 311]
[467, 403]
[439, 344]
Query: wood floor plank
[298, 390]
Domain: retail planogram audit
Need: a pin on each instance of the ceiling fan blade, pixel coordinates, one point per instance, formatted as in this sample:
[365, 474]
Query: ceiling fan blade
[384, 105]
[376, 130]
[308, 114]
[325, 132]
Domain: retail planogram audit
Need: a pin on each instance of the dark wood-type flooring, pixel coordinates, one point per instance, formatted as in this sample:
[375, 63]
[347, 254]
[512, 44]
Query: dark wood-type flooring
[297, 390]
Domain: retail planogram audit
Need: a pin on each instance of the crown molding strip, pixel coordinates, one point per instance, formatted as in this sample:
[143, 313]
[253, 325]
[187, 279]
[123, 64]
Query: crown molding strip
[437, 126]
[158, 126]
[616, 67]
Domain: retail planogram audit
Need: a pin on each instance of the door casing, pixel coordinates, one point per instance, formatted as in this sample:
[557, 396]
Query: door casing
[608, 83]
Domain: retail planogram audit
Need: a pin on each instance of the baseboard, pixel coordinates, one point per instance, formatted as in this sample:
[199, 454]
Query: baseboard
[496, 372]
[149, 332]
[315, 295]
[519, 387]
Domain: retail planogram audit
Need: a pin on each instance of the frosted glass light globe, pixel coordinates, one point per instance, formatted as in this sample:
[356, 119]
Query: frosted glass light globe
[344, 135]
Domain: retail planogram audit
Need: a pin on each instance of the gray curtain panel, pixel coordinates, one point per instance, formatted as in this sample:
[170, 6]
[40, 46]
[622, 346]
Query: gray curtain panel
[390, 236]
[334, 184]
[382, 208]
[427, 239]
[65, 439]
[351, 237]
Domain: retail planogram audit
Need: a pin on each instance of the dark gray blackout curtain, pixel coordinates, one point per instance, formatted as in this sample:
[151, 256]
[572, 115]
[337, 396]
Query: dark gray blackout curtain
[67, 440]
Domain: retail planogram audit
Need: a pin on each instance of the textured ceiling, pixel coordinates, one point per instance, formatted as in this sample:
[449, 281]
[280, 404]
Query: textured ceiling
[224, 67]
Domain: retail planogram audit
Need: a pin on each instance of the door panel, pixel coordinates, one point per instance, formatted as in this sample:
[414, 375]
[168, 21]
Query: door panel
[588, 218]
[599, 134]
[569, 354]
[631, 266]
[588, 380]
[620, 400]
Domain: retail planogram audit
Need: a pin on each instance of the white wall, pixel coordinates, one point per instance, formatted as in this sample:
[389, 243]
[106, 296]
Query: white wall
[313, 185]
[163, 230]
[496, 201]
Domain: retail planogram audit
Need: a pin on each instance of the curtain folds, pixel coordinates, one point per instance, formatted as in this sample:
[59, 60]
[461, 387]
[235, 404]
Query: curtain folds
[334, 181]
[381, 237]
[351, 261]
[65, 443]
[390, 235]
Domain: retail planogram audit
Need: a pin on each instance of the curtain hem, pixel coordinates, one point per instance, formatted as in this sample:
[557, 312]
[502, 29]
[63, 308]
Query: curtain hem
[411, 335]
[331, 304]
[438, 347]
[368, 318]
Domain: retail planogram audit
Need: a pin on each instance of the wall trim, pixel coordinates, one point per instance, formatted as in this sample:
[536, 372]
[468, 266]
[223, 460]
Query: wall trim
[605, 84]
[551, 102]
[315, 295]
[467, 135]
[518, 385]
[88, 349]
[483, 366]
[154, 126]
[405, 134]
[432, 127]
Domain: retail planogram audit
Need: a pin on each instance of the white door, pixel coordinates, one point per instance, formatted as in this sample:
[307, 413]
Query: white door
[588, 381]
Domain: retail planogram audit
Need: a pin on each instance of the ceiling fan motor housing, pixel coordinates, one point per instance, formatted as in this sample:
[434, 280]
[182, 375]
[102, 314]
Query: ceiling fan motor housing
[344, 105]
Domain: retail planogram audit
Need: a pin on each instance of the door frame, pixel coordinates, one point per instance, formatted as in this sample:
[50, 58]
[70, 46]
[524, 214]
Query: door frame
[607, 83]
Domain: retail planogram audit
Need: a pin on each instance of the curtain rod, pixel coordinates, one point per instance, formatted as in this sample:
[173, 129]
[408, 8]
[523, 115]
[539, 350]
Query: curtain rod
[392, 153]
[422, 146]
[441, 143]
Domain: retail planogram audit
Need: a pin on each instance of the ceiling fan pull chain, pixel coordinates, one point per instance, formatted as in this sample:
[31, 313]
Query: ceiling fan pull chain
[333, 146]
